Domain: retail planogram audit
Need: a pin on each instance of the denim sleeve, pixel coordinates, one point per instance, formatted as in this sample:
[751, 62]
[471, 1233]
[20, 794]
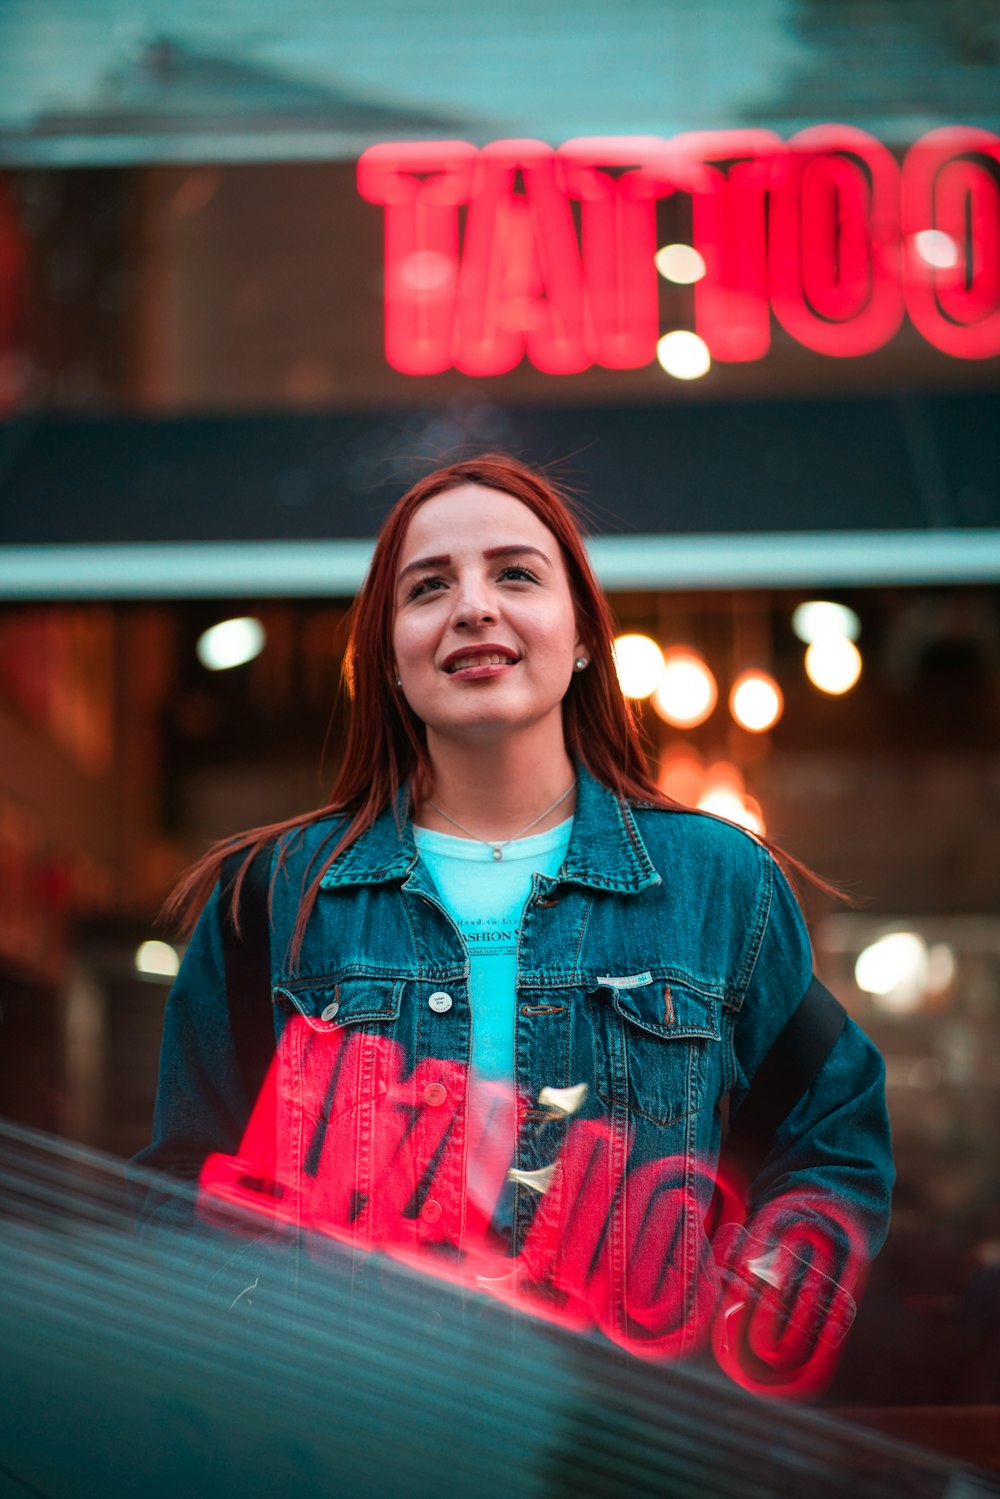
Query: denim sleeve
[832, 1157]
[201, 1105]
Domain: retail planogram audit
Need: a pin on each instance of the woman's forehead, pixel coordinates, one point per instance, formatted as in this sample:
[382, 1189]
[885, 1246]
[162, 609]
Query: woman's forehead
[472, 516]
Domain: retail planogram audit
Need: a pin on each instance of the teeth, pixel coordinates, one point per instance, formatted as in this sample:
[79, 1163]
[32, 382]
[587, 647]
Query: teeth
[468, 661]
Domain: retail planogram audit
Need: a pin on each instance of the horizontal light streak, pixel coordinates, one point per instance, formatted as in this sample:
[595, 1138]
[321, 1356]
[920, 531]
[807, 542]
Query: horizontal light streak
[327, 569]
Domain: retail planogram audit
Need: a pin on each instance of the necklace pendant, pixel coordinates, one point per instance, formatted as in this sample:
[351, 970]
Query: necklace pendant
[497, 851]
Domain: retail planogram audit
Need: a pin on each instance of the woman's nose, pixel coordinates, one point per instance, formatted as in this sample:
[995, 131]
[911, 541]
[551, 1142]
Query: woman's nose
[473, 607]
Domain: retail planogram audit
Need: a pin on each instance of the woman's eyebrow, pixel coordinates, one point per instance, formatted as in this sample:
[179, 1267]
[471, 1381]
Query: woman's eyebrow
[515, 549]
[518, 549]
[420, 562]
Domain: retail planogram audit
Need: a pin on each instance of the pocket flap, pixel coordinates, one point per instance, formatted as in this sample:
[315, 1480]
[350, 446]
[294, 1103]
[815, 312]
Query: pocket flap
[668, 1009]
[331, 1004]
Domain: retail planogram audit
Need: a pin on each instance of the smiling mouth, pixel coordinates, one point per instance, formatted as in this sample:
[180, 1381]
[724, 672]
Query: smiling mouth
[490, 658]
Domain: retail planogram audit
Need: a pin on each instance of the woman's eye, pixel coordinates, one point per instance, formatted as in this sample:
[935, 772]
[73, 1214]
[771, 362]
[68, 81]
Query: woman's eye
[425, 585]
[519, 573]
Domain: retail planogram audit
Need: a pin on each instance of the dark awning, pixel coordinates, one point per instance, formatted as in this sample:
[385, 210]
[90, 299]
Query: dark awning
[892, 488]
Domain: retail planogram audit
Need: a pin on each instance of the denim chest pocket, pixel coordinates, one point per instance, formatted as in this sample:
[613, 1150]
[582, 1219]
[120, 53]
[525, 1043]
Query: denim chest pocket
[338, 1051]
[332, 1005]
[656, 1048]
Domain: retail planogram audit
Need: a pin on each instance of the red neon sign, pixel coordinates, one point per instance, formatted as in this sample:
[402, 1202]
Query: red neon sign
[522, 251]
[420, 188]
[521, 279]
[729, 174]
[834, 244]
[618, 238]
[950, 185]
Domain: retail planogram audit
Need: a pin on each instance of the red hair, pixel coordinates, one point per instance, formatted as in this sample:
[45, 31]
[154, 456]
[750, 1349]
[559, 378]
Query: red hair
[386, 747]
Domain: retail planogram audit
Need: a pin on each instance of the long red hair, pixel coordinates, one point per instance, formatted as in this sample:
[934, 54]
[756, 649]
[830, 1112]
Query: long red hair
[386, 746]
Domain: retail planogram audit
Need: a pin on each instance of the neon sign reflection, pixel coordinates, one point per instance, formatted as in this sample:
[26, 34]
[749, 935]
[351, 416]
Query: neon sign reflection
[610, 1245]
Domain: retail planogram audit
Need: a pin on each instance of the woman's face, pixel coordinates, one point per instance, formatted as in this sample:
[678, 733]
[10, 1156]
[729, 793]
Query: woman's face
[485, 630]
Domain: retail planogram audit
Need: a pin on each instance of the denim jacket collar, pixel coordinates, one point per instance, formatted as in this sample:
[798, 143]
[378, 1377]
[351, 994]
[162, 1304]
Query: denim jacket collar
[605, 850]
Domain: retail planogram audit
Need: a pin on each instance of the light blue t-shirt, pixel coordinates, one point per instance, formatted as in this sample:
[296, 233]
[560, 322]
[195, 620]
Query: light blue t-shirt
[486, 904]
[485, 897]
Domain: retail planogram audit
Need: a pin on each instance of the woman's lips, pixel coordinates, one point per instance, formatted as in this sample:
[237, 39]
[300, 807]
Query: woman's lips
[471, 665]
[475, 668]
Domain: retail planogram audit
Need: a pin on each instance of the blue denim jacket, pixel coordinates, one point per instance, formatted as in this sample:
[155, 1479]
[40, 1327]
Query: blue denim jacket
[656, 969]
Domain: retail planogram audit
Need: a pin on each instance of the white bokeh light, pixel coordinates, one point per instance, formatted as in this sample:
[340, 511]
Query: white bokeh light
[158, 959]
[231, 643]
[639, 664]
[756, 701]
[833, 664]
[936, 248]
[687, 692]
[684, 355]
[819, 618]
[682, 264]
[893, 970]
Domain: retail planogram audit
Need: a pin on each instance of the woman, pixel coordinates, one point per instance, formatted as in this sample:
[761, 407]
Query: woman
[516, 990]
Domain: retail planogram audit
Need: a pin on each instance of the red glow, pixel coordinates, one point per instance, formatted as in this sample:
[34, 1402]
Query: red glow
[834, 252]
[421, 187]
[728, 207]
[608, 1245]
[812, 230]
[521, 283]
[950, 183]
[787, 1300]
[618, 235]
[564, 1249]
[653, 1319]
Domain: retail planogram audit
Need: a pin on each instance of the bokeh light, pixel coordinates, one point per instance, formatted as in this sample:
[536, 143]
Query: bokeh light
[941, 967]
[681, 774]
[819, 617]
[756, 701]
[684, 355]
[157, 959]
[893, 970]
[833, 664]
[722, 802]
[753, 815]
[639, 663]
[682, 264]
[724, 795]
[231, 643]
[936, 249]
[687, 692]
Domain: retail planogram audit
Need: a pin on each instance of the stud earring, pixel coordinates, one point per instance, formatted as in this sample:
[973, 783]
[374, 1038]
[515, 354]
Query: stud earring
[399, 680]
[580, 663]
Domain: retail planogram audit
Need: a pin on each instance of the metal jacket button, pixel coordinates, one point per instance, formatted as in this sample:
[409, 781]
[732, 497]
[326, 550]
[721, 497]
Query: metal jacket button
[435, 1094]
[331, 1010]
[440, 1002]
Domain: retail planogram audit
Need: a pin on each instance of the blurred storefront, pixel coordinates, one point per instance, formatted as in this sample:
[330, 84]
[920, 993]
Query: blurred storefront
[229, 338]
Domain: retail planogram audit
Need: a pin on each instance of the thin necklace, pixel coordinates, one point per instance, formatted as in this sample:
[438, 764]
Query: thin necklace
[497, 845]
